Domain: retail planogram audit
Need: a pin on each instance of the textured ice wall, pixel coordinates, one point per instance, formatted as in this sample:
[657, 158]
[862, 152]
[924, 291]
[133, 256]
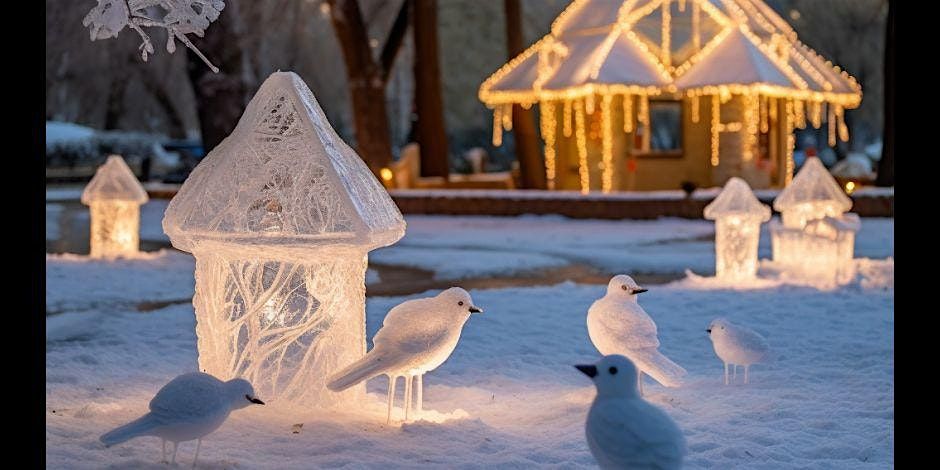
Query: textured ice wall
[280, 217]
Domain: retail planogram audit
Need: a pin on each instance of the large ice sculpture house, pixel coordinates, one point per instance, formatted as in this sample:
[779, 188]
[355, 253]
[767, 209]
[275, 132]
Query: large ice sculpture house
[817, 238]
[114, 197]
[280, 217]
[738, 215]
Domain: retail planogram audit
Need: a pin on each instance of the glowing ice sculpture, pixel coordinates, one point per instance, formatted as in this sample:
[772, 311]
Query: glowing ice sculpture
[737, 214]
[280, 217]
[114, 197]
[816, 240]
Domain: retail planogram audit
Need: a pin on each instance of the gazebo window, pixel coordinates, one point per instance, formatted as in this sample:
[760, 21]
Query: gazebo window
[665, 126]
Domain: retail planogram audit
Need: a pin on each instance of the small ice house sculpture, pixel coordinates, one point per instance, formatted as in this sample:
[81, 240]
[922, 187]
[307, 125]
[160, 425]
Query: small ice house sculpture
[738, 215]
[114, 197]
[280, 217]
[817, 238]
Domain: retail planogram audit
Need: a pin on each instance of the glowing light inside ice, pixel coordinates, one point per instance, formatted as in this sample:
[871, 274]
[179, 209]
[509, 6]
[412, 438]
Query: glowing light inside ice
[738, 215]
[280, 217]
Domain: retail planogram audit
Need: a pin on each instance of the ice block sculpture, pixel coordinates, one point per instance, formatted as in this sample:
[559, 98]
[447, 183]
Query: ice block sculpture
[114, 197]
[738, 215]
[816, 239]
[280, 217]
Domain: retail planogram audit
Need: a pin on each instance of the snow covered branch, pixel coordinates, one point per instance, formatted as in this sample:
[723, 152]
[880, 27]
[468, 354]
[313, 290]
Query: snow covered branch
[178, 17]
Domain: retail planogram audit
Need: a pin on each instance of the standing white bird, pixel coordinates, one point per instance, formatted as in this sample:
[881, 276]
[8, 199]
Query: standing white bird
[417, 336]
[624, 430]
[188, 407]
[737, 345]
[617, 324]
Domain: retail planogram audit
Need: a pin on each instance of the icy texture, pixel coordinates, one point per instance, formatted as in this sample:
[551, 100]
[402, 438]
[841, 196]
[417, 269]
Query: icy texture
[178, 17]
[283, 177]
[816, 240]
[823, 251]
[813, 194]
[737, 214]
[280, 217]
[114, 196]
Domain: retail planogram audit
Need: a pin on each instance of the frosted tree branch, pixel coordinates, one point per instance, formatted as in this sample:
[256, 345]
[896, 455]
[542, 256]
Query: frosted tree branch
[178, 17]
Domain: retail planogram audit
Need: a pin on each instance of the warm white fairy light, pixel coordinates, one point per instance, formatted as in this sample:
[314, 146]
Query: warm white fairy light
[548, 128]
[566, 119]
[497, 126]
[764, 124]
[815, 115]
[627, 113]
[831, 121]
[812, 80]
[715, 128]
[583, 170]
[507, 117]
[607, 177]
[791, 142]
[750, 127]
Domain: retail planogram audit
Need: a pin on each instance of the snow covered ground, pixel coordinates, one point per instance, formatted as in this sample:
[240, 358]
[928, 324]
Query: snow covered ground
[825, 402]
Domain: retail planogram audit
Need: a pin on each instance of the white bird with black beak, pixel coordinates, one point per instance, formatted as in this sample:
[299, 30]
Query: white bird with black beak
[188, 407]
[617, 324]
[737, 345]
[623, 430]
[416, 337]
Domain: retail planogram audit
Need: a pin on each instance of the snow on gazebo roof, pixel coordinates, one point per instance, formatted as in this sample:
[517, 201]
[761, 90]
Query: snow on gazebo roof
[283, 178]
[737, 199]
[114, 181]
[813, 183]
[648, 47]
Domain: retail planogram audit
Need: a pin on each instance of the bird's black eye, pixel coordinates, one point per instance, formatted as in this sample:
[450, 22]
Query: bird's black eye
[612, 370]
[623, 287]
[460, 303]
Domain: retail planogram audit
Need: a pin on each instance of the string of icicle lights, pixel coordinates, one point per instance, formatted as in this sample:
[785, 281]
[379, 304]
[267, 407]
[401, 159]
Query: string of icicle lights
[804, 88]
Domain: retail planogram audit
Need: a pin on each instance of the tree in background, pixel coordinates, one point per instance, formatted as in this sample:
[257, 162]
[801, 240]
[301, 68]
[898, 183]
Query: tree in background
[367, 77]
[220, 97]
[430, 133]
[886, 164]
[528, 150]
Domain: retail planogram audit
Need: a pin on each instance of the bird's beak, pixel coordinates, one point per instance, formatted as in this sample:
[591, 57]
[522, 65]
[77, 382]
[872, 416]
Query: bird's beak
[709, 331]
[256, 401]
[639, 291]
[475, 309]
[589, 371]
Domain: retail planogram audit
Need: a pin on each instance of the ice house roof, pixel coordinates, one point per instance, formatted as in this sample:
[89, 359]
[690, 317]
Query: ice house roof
[114, 181]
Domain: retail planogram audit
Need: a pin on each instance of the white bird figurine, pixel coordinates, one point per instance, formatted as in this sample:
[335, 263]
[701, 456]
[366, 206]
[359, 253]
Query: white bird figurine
[617, 324]
[417, 336]
[188, 407]
[623, 430]
[737, 345]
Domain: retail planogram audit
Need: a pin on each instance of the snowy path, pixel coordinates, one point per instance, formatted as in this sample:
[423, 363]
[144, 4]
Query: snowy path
[827, 401]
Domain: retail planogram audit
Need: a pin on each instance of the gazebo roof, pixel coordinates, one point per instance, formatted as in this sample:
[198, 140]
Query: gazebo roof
[655, 46]
[114, 181]
[283, 178]
[812, 183]
[737, 199]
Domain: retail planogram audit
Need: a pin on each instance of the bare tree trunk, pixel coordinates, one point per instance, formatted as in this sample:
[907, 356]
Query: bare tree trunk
[220, 97]
[431, 136]
[528, 151]
[886, 164]
[366, 85]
